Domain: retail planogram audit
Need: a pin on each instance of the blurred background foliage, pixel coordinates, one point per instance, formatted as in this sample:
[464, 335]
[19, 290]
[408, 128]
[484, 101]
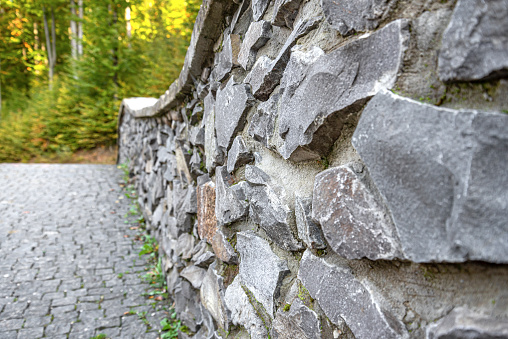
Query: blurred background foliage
[67, 64]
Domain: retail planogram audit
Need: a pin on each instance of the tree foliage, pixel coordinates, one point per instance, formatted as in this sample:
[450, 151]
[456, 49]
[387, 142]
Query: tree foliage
[121, 58]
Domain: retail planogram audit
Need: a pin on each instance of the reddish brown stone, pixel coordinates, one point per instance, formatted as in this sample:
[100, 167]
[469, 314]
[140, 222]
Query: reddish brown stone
[207, 223]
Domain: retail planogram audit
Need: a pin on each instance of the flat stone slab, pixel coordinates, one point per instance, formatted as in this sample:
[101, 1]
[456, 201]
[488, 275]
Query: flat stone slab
[261, 270]
[442, 175]
[319, 92]
[475, 43]
[341, 295]
[351, 16]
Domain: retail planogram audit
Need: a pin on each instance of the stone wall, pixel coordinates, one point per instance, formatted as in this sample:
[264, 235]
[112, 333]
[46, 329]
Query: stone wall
[332, 169]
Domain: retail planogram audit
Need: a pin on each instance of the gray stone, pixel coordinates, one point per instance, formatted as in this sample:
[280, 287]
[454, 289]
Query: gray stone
[185, 245]
[299, 322]
[233, 103]
[194, 275]
[171, 172]
[262, 123]
[212, 297]
[197, 113]
[230, 201]
[285, 12]
[342, 296]
[195, 164]
[255, 38]
[197, 136]
[186, 305]
[463, 323]
[162, 154]
[242, 312]
[213, 154]
[268, 209]
[205, 259]
[351, 16]
[184, 204]
[442, 177]
[266, 75]
[228, 57]
[475, 43]
[261, 271]
[259, 8]
[318, 97]
[308, 230]
[199, 249]
[157, 215]
[223, 249]
[238, 154]
[354, 222]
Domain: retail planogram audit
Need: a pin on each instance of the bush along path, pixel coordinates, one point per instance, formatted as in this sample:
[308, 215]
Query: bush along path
[70, 263]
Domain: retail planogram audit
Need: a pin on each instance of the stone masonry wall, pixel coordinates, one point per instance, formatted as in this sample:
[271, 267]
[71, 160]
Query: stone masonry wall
[332, 169]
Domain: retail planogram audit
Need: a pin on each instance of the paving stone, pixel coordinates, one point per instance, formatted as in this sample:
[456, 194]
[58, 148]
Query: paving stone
[308, 230]
[261, 270]
[441, 177]
[238, 155]
[11, 324]
[320, 92]
[268, 208]
[474, 45]
[464, 323]
[356, 16]
[230, 201]
[341, 295]
[299, 322]
[256, 37]
[233, 103]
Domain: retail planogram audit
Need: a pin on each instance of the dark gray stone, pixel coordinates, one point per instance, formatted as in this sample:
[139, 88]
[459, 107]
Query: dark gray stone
[320, 92]
[463, 323]
[351, 16]
[197, 136]
[255, 38]
[213, 155]
[242, 311]
[342, 296]
[195, 164]
[223, 249]
[475, 44]
[205, 259]
[262, 123]
[259, 8]
[266, 75]
[184, 204]
[186, 305]
[308, 230]
[230, 201]
[233, 103]
[268, 209]
[194, 275]
[285, 12]
[228, 57]
[212, 297]
[261, 271]
[238, 154]
[299, 322]
[353, 220]
[163, 154]
[185, 245]
[442, 176]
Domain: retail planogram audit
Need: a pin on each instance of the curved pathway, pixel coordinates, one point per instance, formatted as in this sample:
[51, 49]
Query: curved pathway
[68, 265]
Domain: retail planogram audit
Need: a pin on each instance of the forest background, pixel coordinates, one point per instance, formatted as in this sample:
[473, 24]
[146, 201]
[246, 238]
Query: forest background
[67, 64]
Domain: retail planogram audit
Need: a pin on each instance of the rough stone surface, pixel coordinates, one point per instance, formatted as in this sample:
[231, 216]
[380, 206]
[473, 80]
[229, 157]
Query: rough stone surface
[259, 8]
[69, 265]
[194, 274]
[441, 176]
[317, 100]
[340, 295]
[261, 271]
[238, 155]
[212, 296]
[266, 75]
[207, 222]
[475, 44]
[353, 221]
[299, 322]
[308, 230]
[213, 154]
[233, 103]
[230, 201]
[228, 57]
[255, 38]
[463, 323]
[285, 12]
[242, 312]
[355, 16]
[268, 209]
[262, 123]
[223, 249]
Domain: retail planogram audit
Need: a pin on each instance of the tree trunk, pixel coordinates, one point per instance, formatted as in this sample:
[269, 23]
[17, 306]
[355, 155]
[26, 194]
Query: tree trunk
[74, 32]
[0, 88]
[115, 54]
[53, 35]
[80, 28]
[48, 48]
[128, 21]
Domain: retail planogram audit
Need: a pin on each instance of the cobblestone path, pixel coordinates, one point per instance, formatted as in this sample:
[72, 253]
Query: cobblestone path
[68, 265]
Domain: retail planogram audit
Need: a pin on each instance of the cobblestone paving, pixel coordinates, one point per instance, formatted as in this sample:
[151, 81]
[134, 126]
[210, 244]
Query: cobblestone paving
[68, 266]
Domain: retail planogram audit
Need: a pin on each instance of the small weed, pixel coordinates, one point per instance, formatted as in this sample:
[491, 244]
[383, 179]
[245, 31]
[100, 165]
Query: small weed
[171, 327]
[287, 307]
[120, 275]
[100, 336]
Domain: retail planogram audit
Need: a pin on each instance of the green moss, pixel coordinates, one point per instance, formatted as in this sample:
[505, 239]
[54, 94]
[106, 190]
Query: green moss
[286, 307]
